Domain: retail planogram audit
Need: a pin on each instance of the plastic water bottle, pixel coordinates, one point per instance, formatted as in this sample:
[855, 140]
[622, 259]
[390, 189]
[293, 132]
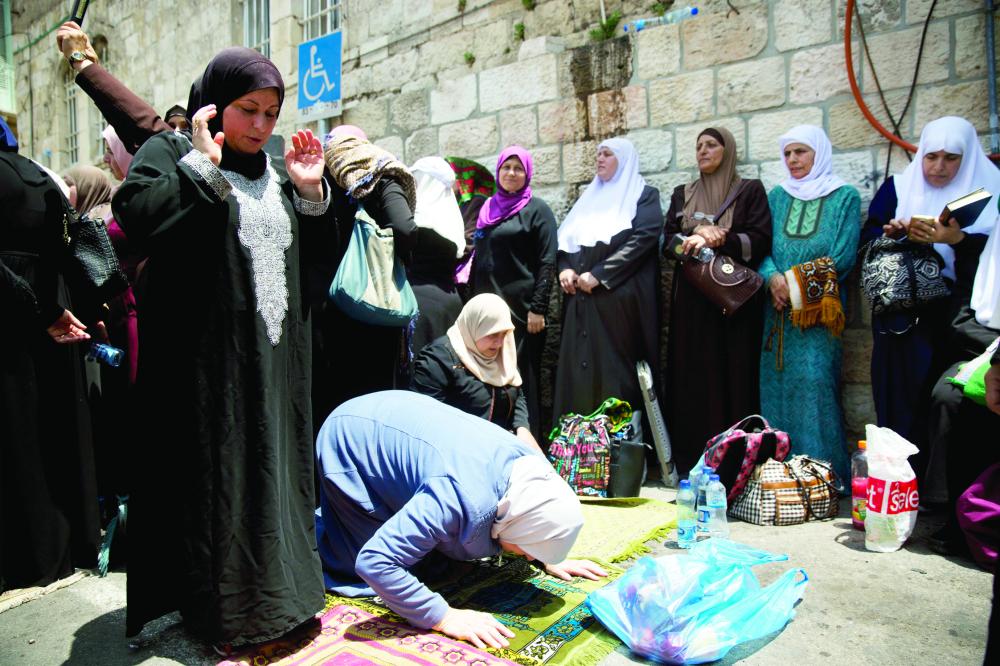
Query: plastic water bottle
[675, 16]
[718, 525]
[859, 486]
[705, 255]
[106, 354]
[704, 514]
[686, 528]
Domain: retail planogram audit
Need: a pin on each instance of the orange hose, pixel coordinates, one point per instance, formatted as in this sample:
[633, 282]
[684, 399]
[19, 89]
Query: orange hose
[848, 20]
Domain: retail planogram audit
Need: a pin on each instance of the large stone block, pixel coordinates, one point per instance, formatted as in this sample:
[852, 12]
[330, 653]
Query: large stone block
[518, 84]
[894, 56]
[386, 18]
[772, 173]
[969, 100]
[636, 109]
[562, 121]
[595, 67]
[493, 39]
[579, 161]
[410, 110]
[765, 128]
[519, 126]
[751, 86]
[370, 115]
[547, 163]
[393, 72]
[859, 408]
[560, 198]
[659, 51]
[725, 37]
[666, 182]
[454, 99]
[970, 46]
[686, 138]
[858, 169]
[850, 129]
[421, 143]
[394, 144]
[916, 10]
[655, 148]
[876, 15]
[606, 113]
[682, 99]
[799, 23]
[818, 73]
[469, 137]
[445, 51]
[856, 365]
[538, 46]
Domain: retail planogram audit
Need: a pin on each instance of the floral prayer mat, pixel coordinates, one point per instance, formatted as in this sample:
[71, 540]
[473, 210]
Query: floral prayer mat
[549, 616]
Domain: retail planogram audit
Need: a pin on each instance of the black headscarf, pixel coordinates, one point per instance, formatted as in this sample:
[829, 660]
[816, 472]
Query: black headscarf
[8, 142]
[232, 73]
[175, 110]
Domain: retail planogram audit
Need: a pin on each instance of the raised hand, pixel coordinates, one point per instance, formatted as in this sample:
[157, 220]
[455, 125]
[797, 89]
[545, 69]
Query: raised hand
[480, 629]
[304, 163]
[202, 137]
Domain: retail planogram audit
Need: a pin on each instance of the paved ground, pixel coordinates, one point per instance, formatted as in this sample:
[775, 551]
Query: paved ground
[910, 607]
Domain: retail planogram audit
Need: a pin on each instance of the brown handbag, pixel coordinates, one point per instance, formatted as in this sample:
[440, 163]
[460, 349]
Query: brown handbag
[723, 281]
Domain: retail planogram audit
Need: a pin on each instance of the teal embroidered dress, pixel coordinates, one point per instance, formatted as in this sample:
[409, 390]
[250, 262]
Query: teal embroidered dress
[803, 398]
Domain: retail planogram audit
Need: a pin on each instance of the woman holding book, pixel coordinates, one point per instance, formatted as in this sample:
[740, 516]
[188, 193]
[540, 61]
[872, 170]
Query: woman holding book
[908, 354]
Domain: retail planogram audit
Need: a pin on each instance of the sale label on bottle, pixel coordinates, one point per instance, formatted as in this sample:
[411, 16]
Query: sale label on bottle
[892, 497]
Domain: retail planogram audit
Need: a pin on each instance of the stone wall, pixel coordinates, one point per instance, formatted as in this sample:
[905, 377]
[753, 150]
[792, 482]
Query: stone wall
[424, 78]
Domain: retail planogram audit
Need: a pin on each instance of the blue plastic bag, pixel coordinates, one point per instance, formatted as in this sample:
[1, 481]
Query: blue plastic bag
[694, 608]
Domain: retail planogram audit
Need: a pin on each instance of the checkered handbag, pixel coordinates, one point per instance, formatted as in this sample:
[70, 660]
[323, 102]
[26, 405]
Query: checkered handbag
[788, 493]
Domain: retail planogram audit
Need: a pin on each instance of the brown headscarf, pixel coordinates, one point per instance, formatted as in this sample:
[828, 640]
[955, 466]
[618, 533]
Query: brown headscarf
[484, 315]
[707, 194]
[93, 187]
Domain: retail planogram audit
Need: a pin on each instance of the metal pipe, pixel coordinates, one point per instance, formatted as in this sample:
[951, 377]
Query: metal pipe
[991, 79]
[604, 16]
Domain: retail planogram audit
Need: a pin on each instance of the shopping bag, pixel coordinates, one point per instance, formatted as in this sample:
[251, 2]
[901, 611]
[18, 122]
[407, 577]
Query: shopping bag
[694, 608]
[892, 490]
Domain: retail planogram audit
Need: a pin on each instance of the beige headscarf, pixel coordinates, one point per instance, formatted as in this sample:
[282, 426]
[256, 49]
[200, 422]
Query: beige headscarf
[539, 512]
[484, 315]
[357, 165]
[707, 194]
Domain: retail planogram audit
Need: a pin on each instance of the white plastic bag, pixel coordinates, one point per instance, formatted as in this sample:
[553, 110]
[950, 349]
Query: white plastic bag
[892, 490]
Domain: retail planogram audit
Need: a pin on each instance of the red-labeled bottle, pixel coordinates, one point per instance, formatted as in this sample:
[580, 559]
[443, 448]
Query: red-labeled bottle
[859, 486]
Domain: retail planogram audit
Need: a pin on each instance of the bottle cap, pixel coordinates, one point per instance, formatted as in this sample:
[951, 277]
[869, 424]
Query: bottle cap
[713, 477]
[684, 484]
[694, 11]
[862, 445]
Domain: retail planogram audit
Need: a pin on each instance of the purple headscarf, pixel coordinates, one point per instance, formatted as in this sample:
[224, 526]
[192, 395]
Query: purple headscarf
[503, 204]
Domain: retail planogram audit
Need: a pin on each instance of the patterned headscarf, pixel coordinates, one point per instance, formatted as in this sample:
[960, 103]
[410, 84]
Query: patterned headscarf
[473, 179]
[357, 165]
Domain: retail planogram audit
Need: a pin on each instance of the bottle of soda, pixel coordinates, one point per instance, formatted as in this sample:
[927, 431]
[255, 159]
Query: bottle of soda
[718, 525]
[686, 536]
[701, 500]
[859, 486]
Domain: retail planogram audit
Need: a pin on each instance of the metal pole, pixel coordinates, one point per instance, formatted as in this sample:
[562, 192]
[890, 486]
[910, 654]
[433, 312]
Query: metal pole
[991, 79]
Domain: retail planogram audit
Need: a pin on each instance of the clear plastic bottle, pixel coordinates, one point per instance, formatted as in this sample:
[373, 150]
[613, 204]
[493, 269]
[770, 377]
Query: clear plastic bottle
[701, 494]
[686, 528]
[705, 255]
[718, 525]
[859, 486]
[106, 354]
[675, 16]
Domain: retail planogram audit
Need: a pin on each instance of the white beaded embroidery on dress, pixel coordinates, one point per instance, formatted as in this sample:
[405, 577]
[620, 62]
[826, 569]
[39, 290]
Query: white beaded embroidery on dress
[266, 231]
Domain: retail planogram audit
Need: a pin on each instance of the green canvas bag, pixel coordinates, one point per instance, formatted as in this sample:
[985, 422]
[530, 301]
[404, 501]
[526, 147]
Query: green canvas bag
[370, 284]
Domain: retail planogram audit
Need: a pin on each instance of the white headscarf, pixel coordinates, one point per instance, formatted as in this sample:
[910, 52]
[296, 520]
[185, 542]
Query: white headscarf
[437, 208]
[605, 208]
[820, 180]
[538, 512]
[916, 197]
[986, 287]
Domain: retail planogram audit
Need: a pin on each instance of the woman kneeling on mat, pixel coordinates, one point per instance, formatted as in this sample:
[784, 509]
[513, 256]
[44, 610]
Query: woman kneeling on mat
[404, 475]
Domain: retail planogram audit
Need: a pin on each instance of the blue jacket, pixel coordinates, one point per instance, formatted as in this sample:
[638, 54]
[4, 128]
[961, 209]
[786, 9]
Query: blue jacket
[402, 475]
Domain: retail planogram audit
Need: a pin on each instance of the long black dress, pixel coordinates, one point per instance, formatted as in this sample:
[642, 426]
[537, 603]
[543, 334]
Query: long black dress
[439, 373]
[221, 521]
[713, 361]
[48, 488]
[515, 259]
[606, 332]
[432, 276]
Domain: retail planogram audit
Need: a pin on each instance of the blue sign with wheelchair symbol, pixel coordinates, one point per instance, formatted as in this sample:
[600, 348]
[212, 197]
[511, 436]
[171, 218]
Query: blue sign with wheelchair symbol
[319, 77]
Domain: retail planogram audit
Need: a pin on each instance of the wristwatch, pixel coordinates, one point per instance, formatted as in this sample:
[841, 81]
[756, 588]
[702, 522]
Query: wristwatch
[77, 56]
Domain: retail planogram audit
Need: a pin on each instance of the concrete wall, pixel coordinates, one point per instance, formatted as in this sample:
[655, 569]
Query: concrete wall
[408, 84]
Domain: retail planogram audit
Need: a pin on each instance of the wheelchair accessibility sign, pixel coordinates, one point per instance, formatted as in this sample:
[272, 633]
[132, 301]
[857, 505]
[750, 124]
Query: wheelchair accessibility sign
[319, 77]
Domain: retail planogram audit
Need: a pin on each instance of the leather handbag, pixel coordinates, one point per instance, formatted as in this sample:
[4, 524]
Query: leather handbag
[724, 282]
[788, 493]
[900, 275]
[370, 284]
[91, 266]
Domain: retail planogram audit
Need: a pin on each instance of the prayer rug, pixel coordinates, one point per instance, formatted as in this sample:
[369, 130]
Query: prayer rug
[617, 529]
[550, 618]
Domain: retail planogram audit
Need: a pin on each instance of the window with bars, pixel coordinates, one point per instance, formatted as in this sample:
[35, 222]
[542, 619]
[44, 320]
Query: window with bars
[72, 129]
[320, 17]
[257, 25]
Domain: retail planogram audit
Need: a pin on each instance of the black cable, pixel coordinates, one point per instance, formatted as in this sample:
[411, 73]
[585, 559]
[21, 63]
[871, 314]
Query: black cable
[878, 85]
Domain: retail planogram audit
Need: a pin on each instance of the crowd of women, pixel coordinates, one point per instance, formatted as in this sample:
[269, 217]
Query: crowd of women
[235, 357]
